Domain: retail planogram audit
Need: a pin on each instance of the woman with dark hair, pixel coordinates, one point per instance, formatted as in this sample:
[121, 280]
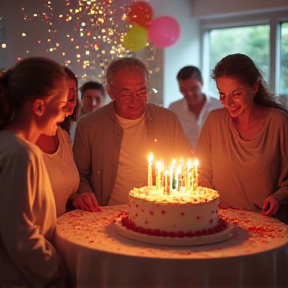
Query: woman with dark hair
[243, 147]
[73, 101]
[57, 152]
[33, 100]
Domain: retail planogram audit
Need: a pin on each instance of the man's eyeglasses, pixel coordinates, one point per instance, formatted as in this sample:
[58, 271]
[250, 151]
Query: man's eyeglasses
[128, 93]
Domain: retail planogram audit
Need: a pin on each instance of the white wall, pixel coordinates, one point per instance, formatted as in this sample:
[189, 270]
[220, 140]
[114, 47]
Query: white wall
[185, 51]
[217, 8]
[36, 30]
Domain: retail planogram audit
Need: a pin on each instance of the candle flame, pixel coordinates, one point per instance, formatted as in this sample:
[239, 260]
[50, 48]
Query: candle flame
[150, 157]
[196, 162]
[158, 165]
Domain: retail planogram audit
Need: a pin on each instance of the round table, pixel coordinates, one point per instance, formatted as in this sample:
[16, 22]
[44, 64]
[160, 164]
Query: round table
[97, 256]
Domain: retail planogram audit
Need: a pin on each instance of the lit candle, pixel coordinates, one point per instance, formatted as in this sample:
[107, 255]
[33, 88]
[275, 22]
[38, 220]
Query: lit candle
[158, 177]
[179, 177]
[196, 164]
[188, 175]
[167, 184]
[171, 174]
[184, 178]
[150, 162]
[175, 181]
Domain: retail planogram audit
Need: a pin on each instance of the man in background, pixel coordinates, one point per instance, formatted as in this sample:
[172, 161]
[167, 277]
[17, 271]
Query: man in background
[194, 108]
[92, 96]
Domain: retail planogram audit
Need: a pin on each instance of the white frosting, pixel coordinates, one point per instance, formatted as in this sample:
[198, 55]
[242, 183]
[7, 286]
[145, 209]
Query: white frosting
[179, 211]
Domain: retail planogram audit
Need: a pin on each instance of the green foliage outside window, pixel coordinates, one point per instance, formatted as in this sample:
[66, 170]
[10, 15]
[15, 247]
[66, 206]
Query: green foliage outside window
[284, 59]
[254, 41]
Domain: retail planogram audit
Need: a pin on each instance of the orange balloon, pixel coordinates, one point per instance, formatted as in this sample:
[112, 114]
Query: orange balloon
[140, 13]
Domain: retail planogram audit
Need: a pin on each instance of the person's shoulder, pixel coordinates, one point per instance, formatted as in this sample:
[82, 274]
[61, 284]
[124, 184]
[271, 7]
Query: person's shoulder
[62, 132]
[215, 103]
[218, 113]
[14, 146]
[94, 115]
[161, 111]
[279, 115]
[215, 120]
[63, 135]
[176, 103]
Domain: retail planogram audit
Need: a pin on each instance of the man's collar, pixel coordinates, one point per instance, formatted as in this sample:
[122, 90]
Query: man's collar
[147, 110]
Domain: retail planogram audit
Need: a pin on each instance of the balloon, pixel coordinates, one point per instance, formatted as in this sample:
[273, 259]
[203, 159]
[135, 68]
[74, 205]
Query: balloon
[136, 38]
[140, 13]
[164, 31]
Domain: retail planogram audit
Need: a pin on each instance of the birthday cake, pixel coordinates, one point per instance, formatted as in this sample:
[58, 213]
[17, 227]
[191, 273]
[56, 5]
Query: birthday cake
[173, 209]
[179, 214]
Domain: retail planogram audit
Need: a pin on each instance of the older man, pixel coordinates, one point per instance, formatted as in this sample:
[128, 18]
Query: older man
[112, 143]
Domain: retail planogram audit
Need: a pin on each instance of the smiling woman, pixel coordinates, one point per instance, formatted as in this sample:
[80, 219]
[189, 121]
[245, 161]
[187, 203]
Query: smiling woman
[57, 151]
[242, 147]
[33, 97]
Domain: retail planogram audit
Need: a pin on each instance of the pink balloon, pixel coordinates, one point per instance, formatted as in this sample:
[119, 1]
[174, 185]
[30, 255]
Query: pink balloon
[164, 31]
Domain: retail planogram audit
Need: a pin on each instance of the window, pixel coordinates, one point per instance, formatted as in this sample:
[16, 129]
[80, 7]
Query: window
[262, 36]
[250, 40]
[284, 59]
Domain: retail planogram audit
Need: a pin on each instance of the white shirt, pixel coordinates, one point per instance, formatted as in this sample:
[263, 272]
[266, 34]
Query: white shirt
[132, 168]
[73, 131]
[28, 214]
[192, 126]
[62, 171]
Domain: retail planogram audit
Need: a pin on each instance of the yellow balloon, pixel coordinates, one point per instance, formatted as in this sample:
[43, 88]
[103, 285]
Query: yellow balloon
[136, 38]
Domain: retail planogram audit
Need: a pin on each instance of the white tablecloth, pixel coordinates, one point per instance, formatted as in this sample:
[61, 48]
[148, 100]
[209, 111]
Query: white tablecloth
[97, 256]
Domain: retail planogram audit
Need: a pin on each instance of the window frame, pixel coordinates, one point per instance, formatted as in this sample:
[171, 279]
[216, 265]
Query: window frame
[272, 18]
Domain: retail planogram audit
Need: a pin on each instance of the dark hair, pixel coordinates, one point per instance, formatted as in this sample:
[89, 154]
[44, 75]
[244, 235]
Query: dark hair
[242, 67]
[31, 78]
[66, 124]
[125, 64]
[92, 85]
[188, 72]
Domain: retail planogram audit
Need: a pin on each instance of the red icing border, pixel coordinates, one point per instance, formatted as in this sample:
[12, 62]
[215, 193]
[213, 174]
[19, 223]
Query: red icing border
[130, 225]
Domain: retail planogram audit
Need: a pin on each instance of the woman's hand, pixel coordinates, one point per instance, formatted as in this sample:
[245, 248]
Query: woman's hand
[87, 202]
[271, 206]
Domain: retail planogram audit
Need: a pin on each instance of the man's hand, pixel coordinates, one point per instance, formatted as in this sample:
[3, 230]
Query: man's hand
[270, 206]
[87, 202]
